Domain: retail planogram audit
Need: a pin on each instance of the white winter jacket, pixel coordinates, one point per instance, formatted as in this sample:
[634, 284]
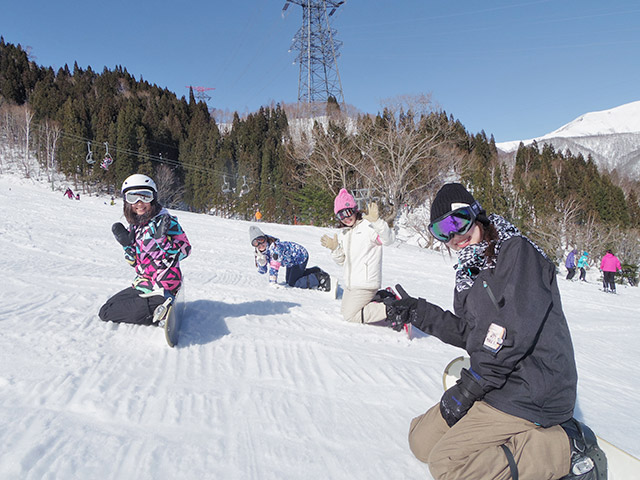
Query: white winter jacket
[360, 251]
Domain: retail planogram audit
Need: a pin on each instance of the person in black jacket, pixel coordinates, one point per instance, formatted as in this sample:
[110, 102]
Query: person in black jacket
[511, 413]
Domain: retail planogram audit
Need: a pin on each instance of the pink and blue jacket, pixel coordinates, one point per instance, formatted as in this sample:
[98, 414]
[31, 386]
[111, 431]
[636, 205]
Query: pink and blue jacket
[157, 260]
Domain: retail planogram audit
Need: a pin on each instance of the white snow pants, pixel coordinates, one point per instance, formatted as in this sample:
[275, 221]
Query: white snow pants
[358, 307]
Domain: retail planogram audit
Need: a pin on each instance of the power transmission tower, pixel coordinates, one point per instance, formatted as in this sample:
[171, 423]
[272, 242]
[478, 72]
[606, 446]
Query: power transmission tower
[317, 49]
[200, 93]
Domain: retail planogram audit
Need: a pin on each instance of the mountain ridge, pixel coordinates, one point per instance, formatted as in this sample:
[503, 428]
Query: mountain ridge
[610, 137]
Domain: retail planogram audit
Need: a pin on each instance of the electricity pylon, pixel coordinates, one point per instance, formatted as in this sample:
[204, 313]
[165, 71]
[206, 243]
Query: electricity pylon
[200, 93]
[317, 49]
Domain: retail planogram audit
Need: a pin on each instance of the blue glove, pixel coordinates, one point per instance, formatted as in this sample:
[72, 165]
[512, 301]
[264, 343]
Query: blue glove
[457, 400]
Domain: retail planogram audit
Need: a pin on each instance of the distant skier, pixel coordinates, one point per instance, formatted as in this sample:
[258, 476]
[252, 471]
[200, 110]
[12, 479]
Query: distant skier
[359, 249]
[154, 245]
[570, 264]
[271, 253]
[583, 265]
[510, 414]
[69, 194]
[609, 266]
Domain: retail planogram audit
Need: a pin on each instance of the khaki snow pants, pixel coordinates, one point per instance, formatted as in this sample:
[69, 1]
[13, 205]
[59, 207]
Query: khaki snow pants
[357, 306]
[471, 449]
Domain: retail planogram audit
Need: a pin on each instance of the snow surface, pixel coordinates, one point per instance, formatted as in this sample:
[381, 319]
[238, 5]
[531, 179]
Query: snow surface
[622, 119]
[266, 383]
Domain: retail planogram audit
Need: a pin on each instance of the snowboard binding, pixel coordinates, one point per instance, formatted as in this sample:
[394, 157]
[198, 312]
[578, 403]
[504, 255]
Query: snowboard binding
[161, 311]
[588, 461]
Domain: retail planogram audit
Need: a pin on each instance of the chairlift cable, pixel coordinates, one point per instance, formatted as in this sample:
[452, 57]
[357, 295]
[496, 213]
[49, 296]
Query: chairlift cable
[159, 159]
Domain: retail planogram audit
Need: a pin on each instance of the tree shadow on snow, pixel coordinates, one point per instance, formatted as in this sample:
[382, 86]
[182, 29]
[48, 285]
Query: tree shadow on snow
[203, 320]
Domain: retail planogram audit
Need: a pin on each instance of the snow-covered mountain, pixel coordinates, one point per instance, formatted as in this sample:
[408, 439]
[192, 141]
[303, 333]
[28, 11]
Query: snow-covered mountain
[611, 137]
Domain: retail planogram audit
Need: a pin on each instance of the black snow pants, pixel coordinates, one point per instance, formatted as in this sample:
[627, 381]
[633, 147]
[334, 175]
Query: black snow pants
[127, 306]
[609, 281]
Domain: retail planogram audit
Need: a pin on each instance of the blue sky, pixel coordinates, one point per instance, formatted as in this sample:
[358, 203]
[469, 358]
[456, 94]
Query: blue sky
[515, 69]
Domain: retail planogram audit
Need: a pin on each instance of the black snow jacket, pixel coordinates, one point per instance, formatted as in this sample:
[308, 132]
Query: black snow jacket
[533, 375]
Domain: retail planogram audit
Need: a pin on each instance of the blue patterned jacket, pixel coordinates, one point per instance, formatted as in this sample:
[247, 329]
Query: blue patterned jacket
[280, 254]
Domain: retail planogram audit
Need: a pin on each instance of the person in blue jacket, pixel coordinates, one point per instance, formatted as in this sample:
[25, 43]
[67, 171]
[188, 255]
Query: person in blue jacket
[583, 264]
[271, 253]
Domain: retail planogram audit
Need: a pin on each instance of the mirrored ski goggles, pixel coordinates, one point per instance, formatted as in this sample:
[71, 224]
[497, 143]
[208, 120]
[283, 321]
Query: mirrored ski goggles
[457, 222]
[258, 241]
[345, 213]
[133, 196]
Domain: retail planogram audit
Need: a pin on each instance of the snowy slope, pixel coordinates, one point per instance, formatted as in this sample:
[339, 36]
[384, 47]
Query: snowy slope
[622, 119]
[267, 383]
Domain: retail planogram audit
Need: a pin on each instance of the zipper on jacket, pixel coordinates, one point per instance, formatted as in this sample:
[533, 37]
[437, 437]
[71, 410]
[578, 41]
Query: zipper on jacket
[491, 296]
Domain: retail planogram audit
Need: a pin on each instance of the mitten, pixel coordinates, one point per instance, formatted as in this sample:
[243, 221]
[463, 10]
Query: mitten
[329, 242]
[123, 236]
[372, 212]
[162, 228]
[457, 400]
[261, 259]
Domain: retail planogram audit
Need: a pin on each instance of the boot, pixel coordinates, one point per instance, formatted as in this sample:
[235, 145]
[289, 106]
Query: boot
[324, 280]
[588, 462]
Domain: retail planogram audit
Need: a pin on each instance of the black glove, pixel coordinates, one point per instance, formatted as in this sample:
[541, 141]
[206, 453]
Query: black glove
[124, 237]
[400, 312]
[162, 228]
[457, 400]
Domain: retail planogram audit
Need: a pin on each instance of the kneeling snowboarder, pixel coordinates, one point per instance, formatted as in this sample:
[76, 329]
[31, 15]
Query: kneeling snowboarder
[510, 415]
[271, 253]
[154, 244]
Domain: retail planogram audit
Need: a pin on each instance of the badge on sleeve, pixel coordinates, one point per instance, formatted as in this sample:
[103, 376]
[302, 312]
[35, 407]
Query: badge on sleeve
[495, 338]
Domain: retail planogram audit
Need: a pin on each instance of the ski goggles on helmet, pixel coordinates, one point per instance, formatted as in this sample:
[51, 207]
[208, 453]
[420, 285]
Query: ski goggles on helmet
[345, 213]
[258, 241]
[134, 196]
[457, 222]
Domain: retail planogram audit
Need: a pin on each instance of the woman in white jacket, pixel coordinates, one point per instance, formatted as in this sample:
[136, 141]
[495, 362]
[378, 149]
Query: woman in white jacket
[359, 250]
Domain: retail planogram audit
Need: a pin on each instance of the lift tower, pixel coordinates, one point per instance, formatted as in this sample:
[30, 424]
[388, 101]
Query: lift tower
[317, 50]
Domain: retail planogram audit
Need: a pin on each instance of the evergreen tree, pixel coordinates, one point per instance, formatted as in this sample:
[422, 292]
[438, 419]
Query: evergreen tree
[125, 158]
[70, 152]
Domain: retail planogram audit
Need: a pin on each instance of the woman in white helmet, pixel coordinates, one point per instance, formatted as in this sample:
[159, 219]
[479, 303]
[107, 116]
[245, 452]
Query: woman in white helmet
[153, 244]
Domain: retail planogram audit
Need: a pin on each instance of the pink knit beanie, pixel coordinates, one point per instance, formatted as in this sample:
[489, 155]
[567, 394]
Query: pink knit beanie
[344, 200]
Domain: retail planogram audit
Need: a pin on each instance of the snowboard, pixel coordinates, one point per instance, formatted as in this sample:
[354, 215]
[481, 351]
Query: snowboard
[174, 319]
[169, 317]
[333, 291]
[621, 465]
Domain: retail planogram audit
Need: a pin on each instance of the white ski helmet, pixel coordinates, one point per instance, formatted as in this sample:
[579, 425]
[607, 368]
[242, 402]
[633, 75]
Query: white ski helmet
[138, 180]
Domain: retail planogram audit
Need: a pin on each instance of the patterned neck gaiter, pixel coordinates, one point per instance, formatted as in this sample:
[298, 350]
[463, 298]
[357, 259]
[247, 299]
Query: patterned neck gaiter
[472, 259]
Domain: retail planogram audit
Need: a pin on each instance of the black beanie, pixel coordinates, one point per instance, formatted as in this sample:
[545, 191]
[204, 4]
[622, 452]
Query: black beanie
[450, 197]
